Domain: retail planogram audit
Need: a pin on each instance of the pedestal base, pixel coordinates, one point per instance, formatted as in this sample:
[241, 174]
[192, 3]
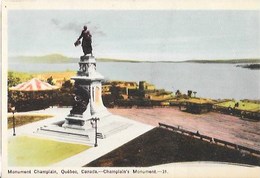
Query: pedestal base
[107, 126]
[75, 122]
[83, 121]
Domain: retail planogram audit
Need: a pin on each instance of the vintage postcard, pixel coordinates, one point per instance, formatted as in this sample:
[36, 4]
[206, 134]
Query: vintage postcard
[130, 89]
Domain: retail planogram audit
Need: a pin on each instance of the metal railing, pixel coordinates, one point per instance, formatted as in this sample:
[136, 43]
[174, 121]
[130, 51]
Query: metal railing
[211, 139]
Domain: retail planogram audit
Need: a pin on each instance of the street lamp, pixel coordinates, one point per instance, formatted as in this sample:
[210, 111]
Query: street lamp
[13, 110]
[95, 120]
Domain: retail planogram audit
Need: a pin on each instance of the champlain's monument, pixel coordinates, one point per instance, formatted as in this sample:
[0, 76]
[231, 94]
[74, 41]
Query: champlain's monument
[88, 102]
[87, 95]
[88, 88]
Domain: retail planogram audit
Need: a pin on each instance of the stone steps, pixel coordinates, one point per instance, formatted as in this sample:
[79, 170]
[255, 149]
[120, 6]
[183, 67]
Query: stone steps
[66, 134]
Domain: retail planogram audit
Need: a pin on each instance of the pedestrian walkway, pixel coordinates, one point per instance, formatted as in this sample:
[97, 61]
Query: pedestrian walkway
[117, 131]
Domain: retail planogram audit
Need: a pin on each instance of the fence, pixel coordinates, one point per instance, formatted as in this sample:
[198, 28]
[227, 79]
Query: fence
[211, 139]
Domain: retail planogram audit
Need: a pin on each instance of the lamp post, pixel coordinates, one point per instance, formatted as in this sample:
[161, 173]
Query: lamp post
[95, 120]
[13, 110]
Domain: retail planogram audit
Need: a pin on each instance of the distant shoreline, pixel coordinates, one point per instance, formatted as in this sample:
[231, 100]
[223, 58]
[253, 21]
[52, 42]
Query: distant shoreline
[250, 66]
[58, 58]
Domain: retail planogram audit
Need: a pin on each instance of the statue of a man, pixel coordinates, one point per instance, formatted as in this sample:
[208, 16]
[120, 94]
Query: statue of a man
[86, 41]
[81, 99]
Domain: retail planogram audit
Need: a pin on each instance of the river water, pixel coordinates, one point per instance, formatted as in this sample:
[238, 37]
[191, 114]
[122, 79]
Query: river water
[216, 81]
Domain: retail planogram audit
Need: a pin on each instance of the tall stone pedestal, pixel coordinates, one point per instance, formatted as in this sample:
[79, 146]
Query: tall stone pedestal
[87, 95]
[79, 125]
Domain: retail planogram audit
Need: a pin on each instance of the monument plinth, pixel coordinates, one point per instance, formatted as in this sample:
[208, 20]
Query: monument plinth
[87, 95]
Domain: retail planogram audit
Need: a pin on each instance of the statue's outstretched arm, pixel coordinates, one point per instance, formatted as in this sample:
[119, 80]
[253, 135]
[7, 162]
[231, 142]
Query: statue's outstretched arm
[81, 35]
[78, 40]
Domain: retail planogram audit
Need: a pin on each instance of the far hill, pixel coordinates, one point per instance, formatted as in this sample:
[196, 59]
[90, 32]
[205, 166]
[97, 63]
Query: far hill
[117, 60]
[58, 58]
[51, 58]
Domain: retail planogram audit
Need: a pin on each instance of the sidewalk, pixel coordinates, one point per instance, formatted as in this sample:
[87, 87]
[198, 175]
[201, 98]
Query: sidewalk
[119, 130]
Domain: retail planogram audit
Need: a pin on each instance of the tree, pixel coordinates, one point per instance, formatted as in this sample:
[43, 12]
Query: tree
[50, 80]
[189, 93]
[13, 80]
[67, 84]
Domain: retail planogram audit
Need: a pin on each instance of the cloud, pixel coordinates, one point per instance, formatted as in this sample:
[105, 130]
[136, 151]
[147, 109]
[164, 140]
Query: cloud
[97, 31]
[55, 22]
[71, 27]
[76, 27]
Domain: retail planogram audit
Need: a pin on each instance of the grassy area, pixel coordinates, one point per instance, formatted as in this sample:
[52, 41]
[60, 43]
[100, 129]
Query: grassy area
[193, 100]
[161, 146]
[29, 151]
[199, 100]
[247, 106]
[25, 119]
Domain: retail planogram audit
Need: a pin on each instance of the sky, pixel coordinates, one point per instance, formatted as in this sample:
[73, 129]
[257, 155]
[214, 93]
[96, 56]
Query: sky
[137, 34]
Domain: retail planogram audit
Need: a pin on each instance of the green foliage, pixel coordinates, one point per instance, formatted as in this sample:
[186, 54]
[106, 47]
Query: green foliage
[28, 101]
[50, 80]
[67, 84]
[12, 80]
[67, 87]
[15, 78]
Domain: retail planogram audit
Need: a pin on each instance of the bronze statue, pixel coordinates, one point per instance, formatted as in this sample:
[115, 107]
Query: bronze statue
[81, 99]
[86, 41]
